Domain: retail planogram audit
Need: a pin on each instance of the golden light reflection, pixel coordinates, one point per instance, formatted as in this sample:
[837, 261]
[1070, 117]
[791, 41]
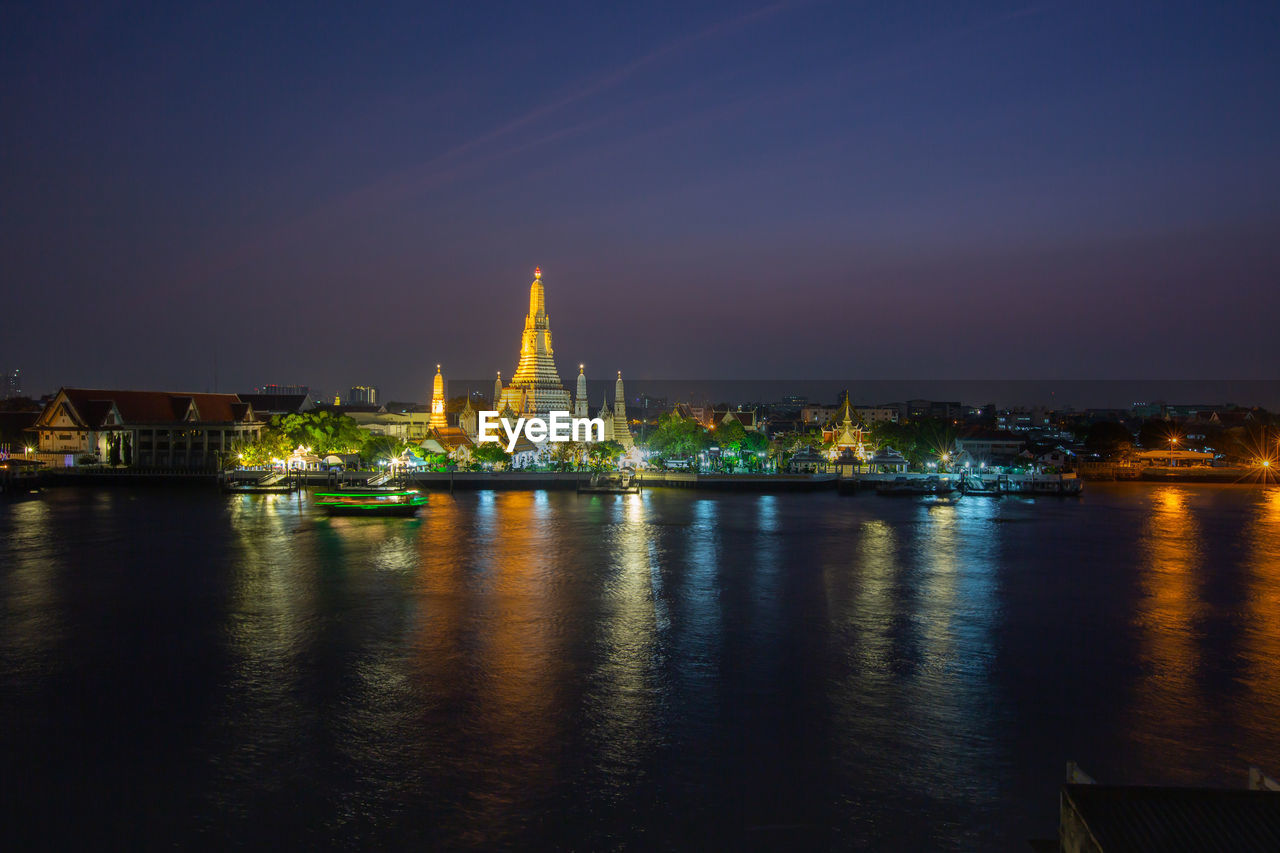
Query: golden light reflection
[1169, 706]
[873, 600]
[31, 620]
[1260, 706]
[512, 599]
[624, 704]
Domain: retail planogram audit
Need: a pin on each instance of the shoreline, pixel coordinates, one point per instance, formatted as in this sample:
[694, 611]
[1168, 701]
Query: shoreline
[571, 480]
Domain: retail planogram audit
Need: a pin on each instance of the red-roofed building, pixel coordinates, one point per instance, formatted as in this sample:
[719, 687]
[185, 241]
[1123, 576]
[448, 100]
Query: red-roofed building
[147, 429]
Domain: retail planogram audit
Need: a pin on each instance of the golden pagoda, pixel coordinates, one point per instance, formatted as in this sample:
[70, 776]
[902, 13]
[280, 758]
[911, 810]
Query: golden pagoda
[535, 389]
[437, 402]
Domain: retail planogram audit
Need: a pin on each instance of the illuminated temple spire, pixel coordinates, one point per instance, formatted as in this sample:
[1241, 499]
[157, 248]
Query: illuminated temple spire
[437, 402]
[536, 388]
[497, 392]
[621, 430]
[580, 396]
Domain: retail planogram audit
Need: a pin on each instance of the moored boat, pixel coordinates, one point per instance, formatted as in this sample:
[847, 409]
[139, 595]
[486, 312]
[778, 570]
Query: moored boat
[908, 486]
[979, 487]
[398, 502]
[619, 483]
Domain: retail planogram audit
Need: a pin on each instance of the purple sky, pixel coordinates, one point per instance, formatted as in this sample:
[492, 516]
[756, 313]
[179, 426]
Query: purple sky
[812, 189]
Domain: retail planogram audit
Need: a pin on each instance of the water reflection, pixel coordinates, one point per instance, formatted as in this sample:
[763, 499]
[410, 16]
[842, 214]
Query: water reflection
[1260, 704]
[516, 667]
[914, 611]
[621, 706]
[516, 656]
[30, 628]
[1170, 711]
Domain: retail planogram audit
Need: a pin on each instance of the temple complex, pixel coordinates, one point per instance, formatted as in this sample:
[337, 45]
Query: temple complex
[535, 390]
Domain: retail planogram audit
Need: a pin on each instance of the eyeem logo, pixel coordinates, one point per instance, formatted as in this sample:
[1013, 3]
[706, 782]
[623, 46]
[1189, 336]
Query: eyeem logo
[561, 427]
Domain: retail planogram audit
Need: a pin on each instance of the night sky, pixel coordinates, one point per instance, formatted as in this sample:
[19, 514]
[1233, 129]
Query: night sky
[829, 190]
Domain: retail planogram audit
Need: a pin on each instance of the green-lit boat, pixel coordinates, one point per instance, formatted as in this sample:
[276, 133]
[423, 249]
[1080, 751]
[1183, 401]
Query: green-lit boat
[397, 502]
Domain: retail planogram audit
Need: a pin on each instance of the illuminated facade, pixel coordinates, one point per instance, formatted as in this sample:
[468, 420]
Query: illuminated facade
[438, 420]
[845, 432]
[535, 388]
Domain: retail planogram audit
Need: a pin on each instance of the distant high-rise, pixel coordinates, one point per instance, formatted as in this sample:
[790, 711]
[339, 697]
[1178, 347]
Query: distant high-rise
[12, 384]
[363, 395]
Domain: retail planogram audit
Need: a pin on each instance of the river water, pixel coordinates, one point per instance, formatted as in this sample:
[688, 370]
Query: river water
[673, 670]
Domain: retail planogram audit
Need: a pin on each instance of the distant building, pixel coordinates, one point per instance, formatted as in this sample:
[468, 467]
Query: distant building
[282, 389]
[815, 414]
[946, 410]
[992, 447]
[746, 417]
[363, 394]
[12, 384]
[878, 414]
[149, 429]
[266, 406]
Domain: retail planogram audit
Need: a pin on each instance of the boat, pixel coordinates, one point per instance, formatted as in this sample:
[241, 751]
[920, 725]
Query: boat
[978, 487]
[1064, 485]
[275, 483]
[398, 502]
[615, 483]
[916, 486]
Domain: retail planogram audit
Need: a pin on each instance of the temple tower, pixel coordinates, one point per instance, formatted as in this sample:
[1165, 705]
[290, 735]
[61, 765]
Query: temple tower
[437, 402]
[469, 420]
[606, 415]
[536, 388]
[497, 393]
[621, 430]
[580, 396]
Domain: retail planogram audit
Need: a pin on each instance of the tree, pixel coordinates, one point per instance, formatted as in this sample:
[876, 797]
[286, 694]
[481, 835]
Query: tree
[1157, 434]
[730, 435]
[604, 454]
[321, 430]
[379, 448]
[677, 437]
[113, 450]
[491, 453]
[437, 461]
[567, 455]
[1107, 438]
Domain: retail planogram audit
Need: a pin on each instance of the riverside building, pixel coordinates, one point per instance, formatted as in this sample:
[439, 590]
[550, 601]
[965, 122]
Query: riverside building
[149, 429]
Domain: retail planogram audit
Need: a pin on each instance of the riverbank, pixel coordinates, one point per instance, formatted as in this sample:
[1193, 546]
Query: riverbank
[570, 480]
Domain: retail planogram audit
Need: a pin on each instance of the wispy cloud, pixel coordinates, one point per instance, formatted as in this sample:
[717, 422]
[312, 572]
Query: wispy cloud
[471, 155]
